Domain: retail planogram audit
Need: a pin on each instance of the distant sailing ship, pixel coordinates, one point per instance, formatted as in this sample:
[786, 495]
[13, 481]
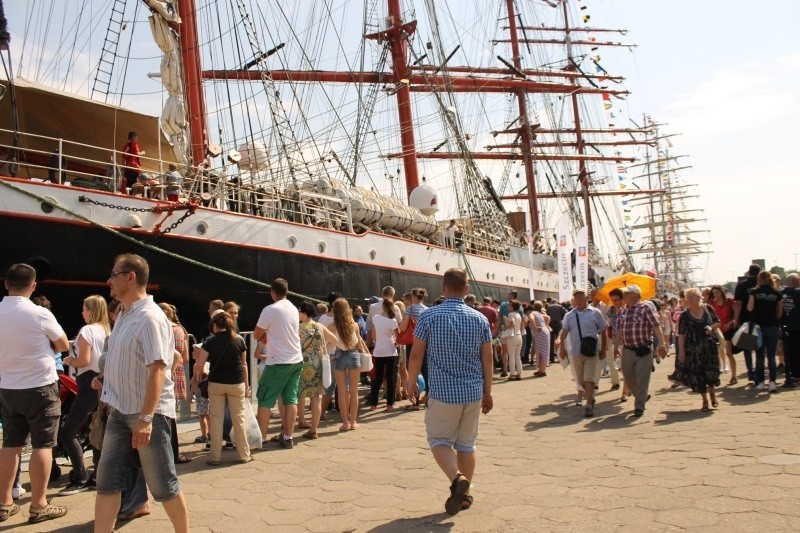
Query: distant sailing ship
[286, 128]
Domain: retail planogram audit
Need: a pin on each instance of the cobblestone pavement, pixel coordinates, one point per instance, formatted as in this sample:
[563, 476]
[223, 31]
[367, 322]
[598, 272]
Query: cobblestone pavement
[541, 467]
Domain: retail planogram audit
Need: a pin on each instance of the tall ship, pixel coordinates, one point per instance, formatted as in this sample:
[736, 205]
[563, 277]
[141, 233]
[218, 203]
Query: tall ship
[341, 145]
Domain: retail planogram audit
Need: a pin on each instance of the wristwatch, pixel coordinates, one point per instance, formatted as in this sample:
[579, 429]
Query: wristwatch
[148, 419]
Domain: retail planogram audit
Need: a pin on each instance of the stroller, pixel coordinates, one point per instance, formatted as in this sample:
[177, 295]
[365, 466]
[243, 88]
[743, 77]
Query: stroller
[68, 391]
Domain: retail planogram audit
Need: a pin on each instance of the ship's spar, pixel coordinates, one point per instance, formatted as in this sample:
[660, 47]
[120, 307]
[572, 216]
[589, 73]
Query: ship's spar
[419, 78]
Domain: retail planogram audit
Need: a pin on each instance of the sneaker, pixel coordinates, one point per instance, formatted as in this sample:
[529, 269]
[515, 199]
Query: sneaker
[761, 386]
[18, 492]
[286, 443]
[73, 488]
[724, 369]
[773, 387]
[638, 412]
[91, 484]
[503, 374]
[615, 386]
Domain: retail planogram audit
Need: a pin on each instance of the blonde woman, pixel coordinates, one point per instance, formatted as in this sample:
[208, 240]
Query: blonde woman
[347, 364]
[85, 356]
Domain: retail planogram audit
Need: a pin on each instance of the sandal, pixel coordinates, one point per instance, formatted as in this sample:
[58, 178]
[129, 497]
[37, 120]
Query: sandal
[46, 513]
[201, 440]
[538, 374]
[412, 407]
[144, 510]
[344, 427]
[277, 438]
[733, 381]
[354, 426]
[466, 503]
[310, 435]
[714, 403]
[183, 459]
[7, 511]
[458, 489]
[212, 462]
[304, 425]
[705, 408]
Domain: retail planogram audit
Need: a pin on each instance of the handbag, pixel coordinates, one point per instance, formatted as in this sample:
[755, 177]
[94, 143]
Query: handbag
[748, 336]
[327, 379]
[406, 336]
[97, 426]
[365, 355]
[588, 344]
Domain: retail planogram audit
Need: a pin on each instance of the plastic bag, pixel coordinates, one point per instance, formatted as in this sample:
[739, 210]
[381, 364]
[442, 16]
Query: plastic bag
[327, 378]
[748, 337]
[251, 425]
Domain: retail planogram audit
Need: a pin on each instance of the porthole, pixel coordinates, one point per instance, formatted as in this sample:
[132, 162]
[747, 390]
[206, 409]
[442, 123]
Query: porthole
[438, 266]
[488, 276]
[512, 279]
[47, 207]
[321, 247]
[402, 260]
[201, 228]
[373, 254]
[291, 242]
[492, 276]
[507, 279]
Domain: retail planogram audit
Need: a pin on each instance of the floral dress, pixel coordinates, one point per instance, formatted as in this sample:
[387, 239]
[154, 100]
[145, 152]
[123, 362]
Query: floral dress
[701, 368]
[541, 338]
[312, 340]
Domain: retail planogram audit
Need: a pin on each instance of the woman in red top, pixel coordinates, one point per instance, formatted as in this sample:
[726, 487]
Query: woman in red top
[723, 306]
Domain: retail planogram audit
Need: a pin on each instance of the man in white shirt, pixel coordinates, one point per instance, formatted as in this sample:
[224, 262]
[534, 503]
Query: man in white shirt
[28, 391]
[138, 387]
[278, 328]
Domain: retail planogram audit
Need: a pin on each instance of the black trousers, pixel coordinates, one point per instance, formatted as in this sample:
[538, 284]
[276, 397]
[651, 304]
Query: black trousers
[526, 347]
[385, 367]
[82, 408]
[553, 336]
[791, 353]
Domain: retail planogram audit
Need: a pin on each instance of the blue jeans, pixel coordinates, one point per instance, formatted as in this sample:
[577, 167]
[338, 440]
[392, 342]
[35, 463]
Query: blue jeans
[768, 348]
[158, 464]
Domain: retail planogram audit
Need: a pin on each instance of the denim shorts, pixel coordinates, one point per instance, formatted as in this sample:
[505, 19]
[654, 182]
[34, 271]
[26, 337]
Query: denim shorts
[158, 463]
[347, 360]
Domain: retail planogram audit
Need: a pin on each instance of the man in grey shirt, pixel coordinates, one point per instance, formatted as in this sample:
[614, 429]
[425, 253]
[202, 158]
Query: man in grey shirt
[138, 387]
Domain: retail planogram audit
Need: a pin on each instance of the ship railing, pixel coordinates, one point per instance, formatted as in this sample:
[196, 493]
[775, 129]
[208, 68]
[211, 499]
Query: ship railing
[43, 164]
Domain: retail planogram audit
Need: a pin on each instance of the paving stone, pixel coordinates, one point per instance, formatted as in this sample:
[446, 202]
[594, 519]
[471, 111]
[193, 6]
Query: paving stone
[541, 467]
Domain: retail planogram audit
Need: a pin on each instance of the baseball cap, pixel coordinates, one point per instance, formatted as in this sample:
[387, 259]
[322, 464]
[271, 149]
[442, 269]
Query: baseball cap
[633, 288]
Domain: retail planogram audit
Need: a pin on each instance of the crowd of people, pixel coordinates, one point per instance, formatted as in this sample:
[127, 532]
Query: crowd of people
[131, 357]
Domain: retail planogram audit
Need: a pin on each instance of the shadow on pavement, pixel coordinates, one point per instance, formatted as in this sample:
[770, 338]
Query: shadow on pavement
[676, 417]
[429, 523]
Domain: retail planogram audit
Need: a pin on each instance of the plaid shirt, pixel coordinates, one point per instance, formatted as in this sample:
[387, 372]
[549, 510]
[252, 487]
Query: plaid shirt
[637, 324]
[454, 333]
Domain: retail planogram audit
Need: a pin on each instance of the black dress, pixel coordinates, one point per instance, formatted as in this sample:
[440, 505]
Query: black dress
[701, 368]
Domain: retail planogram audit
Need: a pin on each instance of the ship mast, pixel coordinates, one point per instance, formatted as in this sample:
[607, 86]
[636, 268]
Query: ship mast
[526, 134]
[193, 80]
[583, 175]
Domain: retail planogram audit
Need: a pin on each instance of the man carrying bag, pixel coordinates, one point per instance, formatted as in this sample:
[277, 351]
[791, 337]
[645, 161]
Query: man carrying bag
[583, 324]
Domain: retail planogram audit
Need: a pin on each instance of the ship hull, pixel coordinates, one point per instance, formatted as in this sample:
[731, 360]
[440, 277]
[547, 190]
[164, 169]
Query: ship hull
[73, 259]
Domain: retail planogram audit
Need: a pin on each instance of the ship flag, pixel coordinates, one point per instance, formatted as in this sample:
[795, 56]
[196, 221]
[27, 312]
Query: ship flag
[565, 249]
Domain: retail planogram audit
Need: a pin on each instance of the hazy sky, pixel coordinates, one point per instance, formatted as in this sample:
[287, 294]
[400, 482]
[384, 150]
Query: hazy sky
[725, 74]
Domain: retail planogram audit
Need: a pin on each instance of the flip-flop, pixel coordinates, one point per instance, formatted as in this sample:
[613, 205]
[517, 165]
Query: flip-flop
[183, 459]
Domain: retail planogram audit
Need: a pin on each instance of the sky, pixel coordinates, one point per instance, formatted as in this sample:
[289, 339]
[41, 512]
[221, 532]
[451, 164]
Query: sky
[726, 76]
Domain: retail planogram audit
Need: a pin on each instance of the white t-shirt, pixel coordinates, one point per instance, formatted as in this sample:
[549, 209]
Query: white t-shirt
[95, 335]
[325, 321]
[26, 329]
[385, 334]
[281, 321]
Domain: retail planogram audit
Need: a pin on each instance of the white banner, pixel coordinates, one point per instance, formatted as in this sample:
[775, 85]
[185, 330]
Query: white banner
[582, 259]
[564, 258]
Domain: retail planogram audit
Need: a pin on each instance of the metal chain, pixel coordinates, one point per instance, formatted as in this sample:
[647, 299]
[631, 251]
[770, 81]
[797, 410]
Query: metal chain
[178, 222]
[86, 199]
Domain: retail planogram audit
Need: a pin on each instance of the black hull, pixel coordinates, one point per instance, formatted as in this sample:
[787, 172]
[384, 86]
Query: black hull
[73, 261]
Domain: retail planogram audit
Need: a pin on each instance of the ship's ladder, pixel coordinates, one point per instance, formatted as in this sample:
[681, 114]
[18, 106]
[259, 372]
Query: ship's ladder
[108, 56]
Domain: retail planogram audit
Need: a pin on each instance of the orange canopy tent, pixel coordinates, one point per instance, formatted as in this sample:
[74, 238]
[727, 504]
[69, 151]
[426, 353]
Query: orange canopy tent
[646, 283]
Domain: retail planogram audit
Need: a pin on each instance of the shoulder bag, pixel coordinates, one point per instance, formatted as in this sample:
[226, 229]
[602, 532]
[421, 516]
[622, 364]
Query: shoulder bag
[406, 336]
[588, 344]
